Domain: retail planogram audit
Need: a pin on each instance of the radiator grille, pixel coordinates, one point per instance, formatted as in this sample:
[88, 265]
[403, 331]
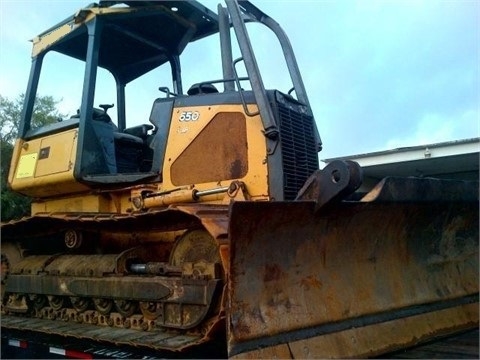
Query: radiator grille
[299, 155]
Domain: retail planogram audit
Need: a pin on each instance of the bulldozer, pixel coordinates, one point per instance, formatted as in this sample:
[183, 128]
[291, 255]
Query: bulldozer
[212, 220]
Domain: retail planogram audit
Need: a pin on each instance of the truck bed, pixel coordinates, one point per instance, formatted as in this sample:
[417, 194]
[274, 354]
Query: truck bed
[25, 345]
[460, 346]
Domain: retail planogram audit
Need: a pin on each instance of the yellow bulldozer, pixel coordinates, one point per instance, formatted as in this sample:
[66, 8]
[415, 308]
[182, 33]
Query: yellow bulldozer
[211, 219]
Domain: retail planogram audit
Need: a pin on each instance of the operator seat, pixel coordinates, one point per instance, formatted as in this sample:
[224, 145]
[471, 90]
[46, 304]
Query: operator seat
[121, 150]
[202, 88]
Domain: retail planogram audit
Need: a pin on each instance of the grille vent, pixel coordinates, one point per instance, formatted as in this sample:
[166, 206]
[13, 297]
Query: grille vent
[299, 155]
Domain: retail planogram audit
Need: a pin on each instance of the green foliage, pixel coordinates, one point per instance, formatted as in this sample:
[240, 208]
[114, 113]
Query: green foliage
[9, 118]
[44, 112]
[14, 205]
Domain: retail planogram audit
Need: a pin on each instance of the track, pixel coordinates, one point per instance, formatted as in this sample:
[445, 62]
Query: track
[187, 320]
[155, 340]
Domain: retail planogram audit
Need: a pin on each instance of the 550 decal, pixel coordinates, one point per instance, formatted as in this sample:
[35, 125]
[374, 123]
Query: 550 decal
[189, 116]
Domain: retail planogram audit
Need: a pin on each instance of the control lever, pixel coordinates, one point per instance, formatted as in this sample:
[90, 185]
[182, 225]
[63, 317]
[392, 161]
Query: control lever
[105, 107]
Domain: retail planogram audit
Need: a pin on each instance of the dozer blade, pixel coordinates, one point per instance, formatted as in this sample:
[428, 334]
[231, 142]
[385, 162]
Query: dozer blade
[354, 279]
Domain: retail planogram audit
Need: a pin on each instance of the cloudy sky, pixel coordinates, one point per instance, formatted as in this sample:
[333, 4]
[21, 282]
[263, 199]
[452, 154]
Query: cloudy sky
[379, 74]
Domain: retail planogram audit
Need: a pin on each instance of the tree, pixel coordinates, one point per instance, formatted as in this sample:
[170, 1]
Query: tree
[45, 111]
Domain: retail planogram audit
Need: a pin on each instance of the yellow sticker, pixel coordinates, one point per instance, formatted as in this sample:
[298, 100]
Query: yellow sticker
[26, 166]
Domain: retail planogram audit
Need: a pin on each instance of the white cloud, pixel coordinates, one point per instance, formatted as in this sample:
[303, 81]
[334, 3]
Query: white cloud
[435, 128]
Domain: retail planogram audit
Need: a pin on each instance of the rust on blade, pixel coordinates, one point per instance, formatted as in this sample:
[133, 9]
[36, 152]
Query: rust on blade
[298, 275]
[213, 217]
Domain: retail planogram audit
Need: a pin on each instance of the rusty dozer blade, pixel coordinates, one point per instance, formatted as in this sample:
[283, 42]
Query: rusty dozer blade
[355, 278]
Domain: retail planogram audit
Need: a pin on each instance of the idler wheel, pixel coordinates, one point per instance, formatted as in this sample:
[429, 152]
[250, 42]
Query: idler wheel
[194, 246]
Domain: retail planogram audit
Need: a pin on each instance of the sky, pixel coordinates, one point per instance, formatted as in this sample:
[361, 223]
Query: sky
[379, 74]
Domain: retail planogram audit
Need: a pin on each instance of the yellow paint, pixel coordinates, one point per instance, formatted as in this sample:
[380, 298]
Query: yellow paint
[107, 202]
[50, 174]
[59, 148]
[44, 42]
[26, 166]
[19, 145]
[78, 203]
[182, 134]
[43, 167]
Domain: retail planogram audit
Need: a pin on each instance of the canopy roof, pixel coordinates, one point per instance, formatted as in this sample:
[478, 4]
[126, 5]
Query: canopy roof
[137, 36]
